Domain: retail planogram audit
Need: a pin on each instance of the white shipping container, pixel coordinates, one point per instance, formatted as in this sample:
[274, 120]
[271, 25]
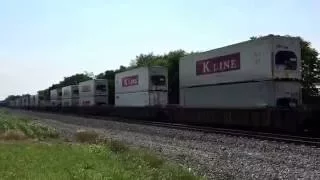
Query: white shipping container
[142, 98]
[39, 99]
[25, 100]
[95, 87]
[70, 102]
[70, 92]
[55, 94]
[142, 79]
[32, 100]
[12, 103]
[93, 101]
[243, 95]
[45, 103]
[36, 100]
[270, 57]
[19, 102]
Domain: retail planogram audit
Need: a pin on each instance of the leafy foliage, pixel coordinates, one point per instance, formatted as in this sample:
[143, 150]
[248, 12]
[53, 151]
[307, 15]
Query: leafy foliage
[12, 97]
[71, 80]
[110, 75]
[171, 61]
[310, 67]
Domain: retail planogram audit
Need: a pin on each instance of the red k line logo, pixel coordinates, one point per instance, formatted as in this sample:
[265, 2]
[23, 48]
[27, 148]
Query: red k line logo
[218, 64]
[130, 81]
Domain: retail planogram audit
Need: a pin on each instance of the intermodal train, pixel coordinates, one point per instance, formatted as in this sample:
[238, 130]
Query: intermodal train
[252, 85]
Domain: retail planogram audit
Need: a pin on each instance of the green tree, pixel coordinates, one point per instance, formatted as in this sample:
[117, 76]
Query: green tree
[171, 61]
[110, 76]
[145, 60]
[11, 97]
[310, 68]
[67, 81]
[89, 74]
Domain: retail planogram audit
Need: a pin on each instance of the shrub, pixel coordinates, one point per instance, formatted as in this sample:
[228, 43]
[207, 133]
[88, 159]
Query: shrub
[13, 135]
[117, 146]
[86, 136]
[152, 160]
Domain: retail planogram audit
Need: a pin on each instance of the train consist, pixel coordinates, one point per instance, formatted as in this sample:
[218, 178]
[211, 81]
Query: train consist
[243, 85]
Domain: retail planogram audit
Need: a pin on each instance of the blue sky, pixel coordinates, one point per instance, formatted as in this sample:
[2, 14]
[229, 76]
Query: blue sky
[42, 41]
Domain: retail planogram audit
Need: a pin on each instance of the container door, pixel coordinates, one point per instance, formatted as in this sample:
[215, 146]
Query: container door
[101, 88]
[158, 82]
[158, 79]
[286, 58]
[158, 98]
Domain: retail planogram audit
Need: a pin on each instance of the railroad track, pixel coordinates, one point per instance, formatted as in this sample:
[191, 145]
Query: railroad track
[301, 140]
[311, 141]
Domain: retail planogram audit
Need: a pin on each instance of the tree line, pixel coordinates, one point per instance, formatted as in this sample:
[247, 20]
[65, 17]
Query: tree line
[310, 72]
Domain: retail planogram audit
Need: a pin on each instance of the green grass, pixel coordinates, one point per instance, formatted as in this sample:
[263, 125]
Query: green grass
[47, 159]
[22, 125]
[29, 128]
[84, 161]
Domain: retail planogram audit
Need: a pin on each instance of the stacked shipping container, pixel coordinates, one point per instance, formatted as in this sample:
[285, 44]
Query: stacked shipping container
[40, 100]
[32, 100]
[18, 102]
[55, 97]
[93, 92]
[145, 86]
[243, 75]
[12, 103]
[25, 100]
[70, 96]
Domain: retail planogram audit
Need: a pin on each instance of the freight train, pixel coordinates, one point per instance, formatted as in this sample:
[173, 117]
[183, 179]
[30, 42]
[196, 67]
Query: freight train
[253, 85]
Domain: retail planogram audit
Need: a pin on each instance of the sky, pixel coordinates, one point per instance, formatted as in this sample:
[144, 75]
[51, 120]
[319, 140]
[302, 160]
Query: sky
[42, 41]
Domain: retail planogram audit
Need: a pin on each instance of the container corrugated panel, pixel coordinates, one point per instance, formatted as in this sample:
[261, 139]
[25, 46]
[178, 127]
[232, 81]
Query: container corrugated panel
[243, 95]
[22, 101]
[40, 99]
[44, 103]
[95, 87]
[93, 101]
[140, 99]
[32, 100]
[70, 102]
[271, 57]
[55, 103]
[55, 94]
[70, 92]
[36, 100]
[18, 101]
[25, 100]
[141, 79]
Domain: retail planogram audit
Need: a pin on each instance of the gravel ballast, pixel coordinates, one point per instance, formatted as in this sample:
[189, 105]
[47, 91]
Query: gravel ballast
[214, 155]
